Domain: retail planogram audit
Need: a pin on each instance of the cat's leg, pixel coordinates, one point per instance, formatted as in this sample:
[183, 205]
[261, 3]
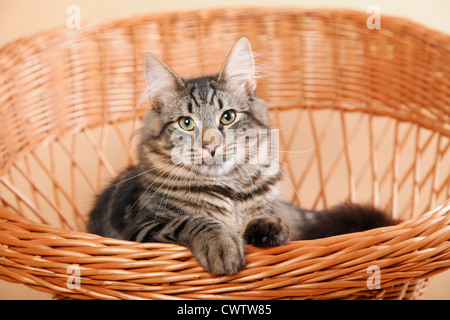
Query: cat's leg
[218, 249]
[266, 231]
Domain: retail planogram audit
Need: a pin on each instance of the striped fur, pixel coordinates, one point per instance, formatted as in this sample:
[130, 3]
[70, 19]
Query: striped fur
[212, 207]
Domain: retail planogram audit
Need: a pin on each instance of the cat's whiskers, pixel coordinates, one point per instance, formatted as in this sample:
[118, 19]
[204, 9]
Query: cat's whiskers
[172, 184]
[253, 186]
[137, 175]
[282, 171]
[297, 151]
[156, 191]
[146, 190]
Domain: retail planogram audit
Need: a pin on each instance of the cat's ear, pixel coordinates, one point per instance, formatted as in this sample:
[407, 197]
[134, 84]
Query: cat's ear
[238, 71]
[162, 82]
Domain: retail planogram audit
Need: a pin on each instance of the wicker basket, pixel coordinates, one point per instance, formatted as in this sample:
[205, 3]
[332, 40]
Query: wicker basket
[364, 115]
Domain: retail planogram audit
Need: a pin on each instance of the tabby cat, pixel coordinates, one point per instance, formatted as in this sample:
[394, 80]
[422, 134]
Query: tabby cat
[197, 186]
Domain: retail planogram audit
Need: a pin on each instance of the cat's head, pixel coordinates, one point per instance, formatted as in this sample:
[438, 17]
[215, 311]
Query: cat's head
[210, 124]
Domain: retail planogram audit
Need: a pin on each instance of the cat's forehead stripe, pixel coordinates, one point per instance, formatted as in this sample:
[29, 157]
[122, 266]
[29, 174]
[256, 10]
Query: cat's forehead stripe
[213, 94]
[192, 95]
[202, 91]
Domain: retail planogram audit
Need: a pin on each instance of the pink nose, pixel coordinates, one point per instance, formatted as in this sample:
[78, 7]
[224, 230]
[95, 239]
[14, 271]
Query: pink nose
[211, 147]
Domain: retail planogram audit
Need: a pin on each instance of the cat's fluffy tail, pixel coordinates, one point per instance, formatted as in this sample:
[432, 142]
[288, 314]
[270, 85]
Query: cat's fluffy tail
[345, 218]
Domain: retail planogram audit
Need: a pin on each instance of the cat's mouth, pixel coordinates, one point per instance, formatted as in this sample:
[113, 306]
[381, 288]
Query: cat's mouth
[214, 165]
[223, 160]
[205, 162]
[215, 169]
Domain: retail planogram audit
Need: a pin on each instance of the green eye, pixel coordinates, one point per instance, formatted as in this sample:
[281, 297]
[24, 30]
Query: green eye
[186, 123]
[228, 117]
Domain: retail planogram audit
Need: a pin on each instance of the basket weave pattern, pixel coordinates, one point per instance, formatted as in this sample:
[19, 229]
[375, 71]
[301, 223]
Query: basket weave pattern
[71, 99]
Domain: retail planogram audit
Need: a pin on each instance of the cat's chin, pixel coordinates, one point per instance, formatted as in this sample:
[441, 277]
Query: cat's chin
[216, 169]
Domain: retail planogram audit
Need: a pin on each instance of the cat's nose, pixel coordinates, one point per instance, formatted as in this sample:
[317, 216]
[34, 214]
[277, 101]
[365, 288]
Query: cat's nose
[211, 140]
[211, 147]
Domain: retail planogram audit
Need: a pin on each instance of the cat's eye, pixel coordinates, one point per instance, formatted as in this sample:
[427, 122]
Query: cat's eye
[186, 123]
[228, 117]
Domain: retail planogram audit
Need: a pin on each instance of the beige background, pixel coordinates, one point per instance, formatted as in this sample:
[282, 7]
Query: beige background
[24, 17]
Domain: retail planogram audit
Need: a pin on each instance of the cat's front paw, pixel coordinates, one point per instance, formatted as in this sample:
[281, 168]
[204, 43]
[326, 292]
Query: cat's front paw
[220, 251]
[266, 231]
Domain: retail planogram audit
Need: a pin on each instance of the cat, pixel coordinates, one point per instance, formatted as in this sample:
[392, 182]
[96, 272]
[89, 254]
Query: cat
[190, 185]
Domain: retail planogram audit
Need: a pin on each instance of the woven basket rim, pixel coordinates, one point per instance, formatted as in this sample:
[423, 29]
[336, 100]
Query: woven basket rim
[99, 23]
[119, 261]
